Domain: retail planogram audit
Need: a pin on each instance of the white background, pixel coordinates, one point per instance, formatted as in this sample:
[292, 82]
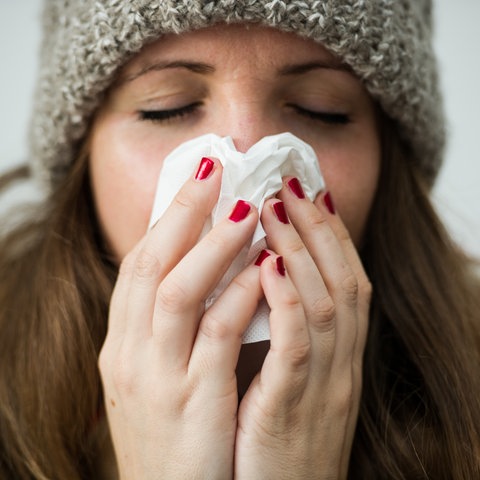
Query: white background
[457, 193]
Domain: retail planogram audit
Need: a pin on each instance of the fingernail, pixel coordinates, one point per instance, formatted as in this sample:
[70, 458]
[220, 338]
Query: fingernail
[261, 257]
[240, 211]
[296, 187]
[280, 266]
[327, 200]
[204, 169]
[280, 212]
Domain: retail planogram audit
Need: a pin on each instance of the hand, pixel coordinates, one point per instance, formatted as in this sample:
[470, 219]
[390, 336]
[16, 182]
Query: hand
[297, 419]
[168, 368]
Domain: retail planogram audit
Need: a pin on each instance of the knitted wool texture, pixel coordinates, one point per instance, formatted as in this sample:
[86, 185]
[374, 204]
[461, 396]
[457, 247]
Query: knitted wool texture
[387, 43]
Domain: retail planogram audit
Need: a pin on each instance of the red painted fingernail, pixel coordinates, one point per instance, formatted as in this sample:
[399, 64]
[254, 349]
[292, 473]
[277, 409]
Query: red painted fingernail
[240, 211]
[204, 169]
[296, 187]
[261, 257]
[327, 200]
[280, 212]
[280, 266]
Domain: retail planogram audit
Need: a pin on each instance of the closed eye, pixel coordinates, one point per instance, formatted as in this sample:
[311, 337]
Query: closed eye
[331, 118]
[171, 114]
[174, 113]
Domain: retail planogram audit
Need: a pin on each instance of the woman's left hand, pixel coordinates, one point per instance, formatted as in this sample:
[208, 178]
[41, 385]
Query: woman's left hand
[298, 417]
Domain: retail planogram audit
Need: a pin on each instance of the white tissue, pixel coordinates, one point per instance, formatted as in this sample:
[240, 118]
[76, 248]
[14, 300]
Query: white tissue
[253, 176]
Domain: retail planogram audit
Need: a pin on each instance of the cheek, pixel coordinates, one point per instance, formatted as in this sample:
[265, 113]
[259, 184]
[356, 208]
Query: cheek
[124, 172]
[351, 177]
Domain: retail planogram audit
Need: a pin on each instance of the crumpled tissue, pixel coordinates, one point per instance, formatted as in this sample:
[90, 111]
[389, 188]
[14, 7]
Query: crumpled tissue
[253, 176]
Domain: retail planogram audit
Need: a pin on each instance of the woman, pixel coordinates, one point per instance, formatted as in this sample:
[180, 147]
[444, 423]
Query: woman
[371, 371]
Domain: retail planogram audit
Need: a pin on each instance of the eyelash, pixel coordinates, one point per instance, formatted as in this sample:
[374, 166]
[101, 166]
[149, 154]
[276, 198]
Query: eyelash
[325, 117]
[159, 116]
[163, 116]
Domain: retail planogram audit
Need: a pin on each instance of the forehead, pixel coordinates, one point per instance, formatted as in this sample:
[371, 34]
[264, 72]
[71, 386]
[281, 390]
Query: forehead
[231, 45]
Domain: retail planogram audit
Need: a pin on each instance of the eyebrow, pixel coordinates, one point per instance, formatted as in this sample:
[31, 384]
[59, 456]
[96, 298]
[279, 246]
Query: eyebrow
[297, 69]
[195, 67]
[204, 68]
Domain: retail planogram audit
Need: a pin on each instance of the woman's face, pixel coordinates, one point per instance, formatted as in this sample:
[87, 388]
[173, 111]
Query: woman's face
[230, 80]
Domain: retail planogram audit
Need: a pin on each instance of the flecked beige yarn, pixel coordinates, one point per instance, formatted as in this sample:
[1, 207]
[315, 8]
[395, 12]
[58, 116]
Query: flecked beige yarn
[387, 43]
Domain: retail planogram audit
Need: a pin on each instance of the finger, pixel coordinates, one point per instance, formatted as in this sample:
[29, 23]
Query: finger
[181, 295]
[325, 202]
[317, 235]
[351, 324]
[222, 327]
[285, 240]
[286, 368]
[326, 250]
[168, 241]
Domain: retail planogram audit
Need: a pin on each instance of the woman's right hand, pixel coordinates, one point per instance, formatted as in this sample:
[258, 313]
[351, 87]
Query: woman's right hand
[168, 368]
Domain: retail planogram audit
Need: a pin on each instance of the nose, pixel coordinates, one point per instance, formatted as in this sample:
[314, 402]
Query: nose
[247, 123]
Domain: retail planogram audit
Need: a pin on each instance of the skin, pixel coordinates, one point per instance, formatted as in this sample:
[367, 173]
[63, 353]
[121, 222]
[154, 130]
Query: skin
[169, 369]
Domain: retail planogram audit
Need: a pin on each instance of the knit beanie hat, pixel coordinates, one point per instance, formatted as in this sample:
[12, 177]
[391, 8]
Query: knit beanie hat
[387, 44]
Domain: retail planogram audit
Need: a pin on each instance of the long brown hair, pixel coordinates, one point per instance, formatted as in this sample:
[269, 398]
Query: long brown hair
[55, 284]
[420, 410]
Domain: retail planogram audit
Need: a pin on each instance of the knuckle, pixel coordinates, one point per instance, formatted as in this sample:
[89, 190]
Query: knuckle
[323, 313]
[365, 289]
[349, 288]
[292, 301]
[299, 355]
[172, 296]
[147, 266]
[316, 221]
[296, 355]
[242, 284]
[246, 288]
[214, 328]
[294, 247]
[185, 200]
[218, 242]
[343, 236]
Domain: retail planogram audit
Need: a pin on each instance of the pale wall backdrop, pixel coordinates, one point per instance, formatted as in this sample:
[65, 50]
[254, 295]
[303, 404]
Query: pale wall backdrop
[457, 193]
